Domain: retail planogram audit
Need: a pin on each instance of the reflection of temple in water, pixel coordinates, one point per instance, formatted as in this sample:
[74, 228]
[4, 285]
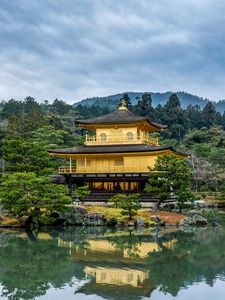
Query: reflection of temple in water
[104, 275]
[113, 268]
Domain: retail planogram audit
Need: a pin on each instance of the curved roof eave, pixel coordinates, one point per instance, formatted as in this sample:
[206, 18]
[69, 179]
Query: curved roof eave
[115, 149]
[118, 117]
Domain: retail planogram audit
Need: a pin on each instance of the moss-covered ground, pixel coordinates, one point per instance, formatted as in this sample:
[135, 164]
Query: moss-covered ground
[115, 213]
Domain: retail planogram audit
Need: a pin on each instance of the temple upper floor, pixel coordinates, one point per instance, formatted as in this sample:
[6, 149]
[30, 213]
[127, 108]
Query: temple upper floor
[121, 127]
[120, 135]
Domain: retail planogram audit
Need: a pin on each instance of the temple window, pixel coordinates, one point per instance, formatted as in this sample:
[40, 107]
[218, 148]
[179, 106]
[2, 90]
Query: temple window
[103, 276]
[88, 162]
[80, 162]
[130, 277]
[103, 137]
[130, 136]
[119, 162]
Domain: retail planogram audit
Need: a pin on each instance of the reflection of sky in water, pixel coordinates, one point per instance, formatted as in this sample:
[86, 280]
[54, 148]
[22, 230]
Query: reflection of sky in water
[200, 291]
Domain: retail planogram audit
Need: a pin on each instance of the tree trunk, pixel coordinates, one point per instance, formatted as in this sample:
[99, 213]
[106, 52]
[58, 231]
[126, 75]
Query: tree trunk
[30, 234]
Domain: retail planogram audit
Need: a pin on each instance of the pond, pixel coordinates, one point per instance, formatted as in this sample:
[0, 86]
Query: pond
[101, 263]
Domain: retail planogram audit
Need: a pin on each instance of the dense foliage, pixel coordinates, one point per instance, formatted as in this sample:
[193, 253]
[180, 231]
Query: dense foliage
[33, 197]
[128, 203]
[170, 177]
[82, 192]
[29, 128]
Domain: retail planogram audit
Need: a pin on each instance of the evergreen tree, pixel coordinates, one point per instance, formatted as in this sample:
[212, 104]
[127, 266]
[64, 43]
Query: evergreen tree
[33, 120]
[30, 105]
[144, 106]
[210, 116]
[173, 116]
[130, 205]
[193, 115]
[26, 195]
[12, 107]
[13, 125]
[82, 192]
[23, 156]
[59, 107]
[49, 137]
[169, 177]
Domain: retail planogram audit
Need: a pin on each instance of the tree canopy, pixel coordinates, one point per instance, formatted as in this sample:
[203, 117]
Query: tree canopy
[31, 196]
[170, 177]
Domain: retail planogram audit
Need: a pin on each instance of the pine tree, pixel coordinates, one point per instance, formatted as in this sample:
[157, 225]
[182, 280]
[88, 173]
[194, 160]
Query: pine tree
[13, 125]
[173, 116]
[144, 106]
[169, 177]
[26, 195]
[210, 116]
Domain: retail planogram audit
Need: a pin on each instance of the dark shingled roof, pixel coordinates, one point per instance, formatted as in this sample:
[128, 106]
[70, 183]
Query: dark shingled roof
[119, 117]
[113, 149]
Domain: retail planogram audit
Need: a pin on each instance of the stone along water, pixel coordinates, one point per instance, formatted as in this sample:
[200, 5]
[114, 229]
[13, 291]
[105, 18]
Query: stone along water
[99, 263]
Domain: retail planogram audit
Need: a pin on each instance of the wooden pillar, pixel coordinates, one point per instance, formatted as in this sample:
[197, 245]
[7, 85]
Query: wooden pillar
[85, 164]
[70, 165]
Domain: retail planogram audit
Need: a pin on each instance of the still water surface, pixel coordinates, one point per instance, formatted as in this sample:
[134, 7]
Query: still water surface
[100, 263]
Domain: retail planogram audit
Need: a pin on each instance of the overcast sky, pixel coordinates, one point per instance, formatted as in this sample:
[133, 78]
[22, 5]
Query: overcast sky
[73, 49]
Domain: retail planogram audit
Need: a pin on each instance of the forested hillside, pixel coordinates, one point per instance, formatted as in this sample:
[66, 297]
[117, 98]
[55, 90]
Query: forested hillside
[28, 129]
[157, 98]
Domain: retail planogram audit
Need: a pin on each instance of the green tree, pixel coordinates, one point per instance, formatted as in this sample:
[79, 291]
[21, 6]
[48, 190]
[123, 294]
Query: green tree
[193, 115]
[185, 198]
[117, 198]
[210, 116]
[130, 205]
[59, 107]
[169, 177]
[13, 125]
[144, 106]
[49, 137]
[82, 192]
[207, 147]
[33, 120]
[30, 105]
[26, 195]
[23, 156]
[173, 116]
[12, 107]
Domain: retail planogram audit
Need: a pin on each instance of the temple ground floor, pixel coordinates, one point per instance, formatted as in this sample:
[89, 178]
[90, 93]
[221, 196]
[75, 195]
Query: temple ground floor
[103, 186]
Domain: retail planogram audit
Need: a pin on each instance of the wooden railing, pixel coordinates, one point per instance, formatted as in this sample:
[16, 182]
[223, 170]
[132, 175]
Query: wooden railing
[109, 170]
[121, 139]
[67, 170]
[151, 141]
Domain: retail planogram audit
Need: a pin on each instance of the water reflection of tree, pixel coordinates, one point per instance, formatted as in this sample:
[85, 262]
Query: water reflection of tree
[28, 268]
[194, 257]
[78, 234]
[129, 243]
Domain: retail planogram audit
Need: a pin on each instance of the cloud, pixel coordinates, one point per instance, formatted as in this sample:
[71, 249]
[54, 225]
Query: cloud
[83, 48]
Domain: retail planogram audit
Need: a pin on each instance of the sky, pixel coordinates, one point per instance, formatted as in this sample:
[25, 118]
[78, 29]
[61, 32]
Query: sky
[74, 49]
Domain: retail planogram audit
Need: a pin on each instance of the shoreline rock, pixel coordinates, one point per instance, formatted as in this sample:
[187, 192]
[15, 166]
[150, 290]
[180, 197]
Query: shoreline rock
[194, 220]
